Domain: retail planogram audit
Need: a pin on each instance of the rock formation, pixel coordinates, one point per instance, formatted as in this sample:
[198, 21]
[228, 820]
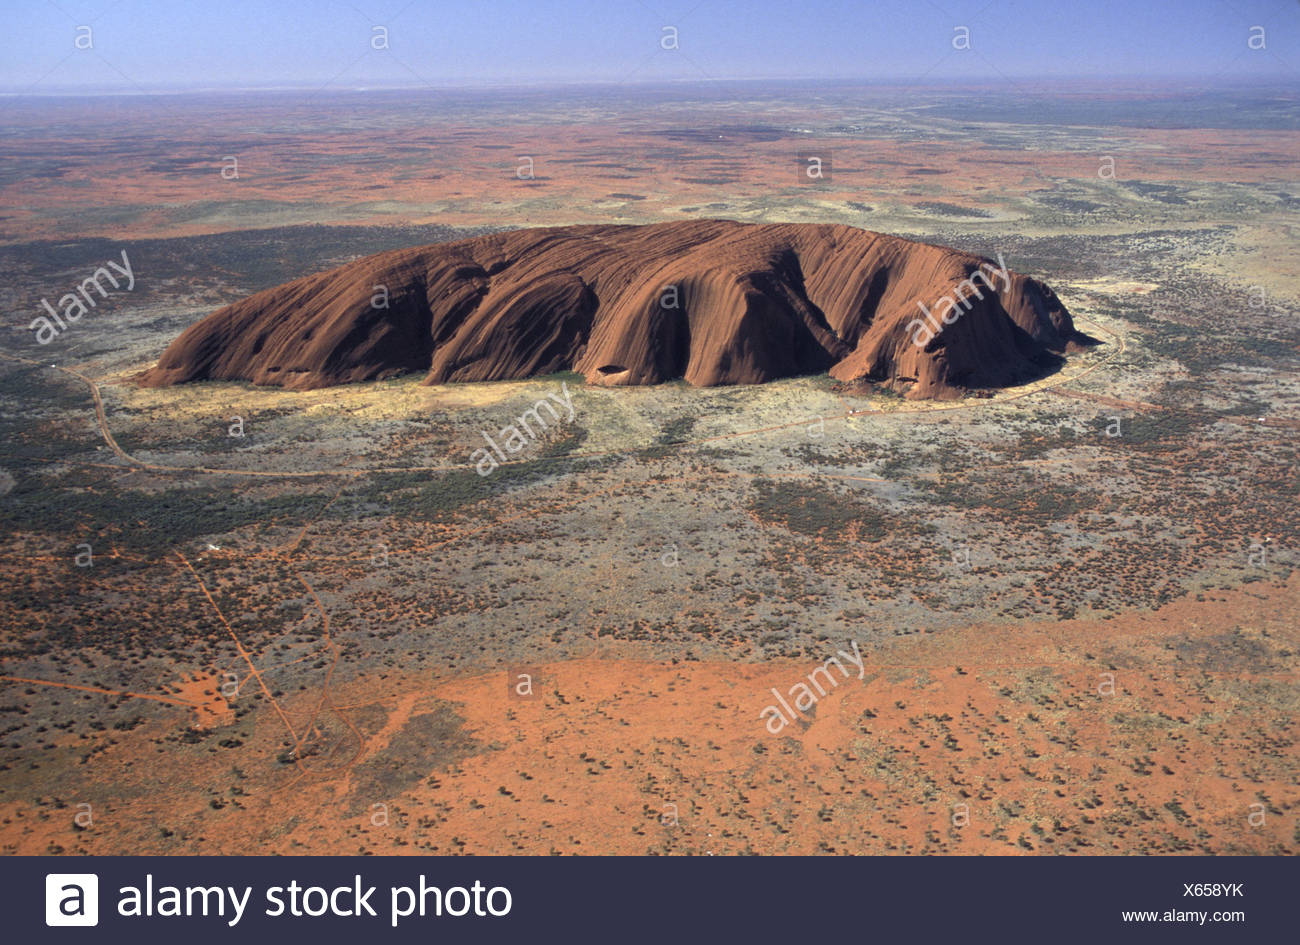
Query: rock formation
[711, 301]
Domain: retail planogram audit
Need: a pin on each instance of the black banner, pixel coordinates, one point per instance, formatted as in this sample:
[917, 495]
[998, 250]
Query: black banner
[496, 899]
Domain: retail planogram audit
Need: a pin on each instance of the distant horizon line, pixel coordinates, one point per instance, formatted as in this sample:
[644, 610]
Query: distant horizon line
[311, 87]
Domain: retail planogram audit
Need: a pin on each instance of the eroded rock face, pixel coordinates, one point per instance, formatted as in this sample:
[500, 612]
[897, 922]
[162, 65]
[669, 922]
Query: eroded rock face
[714, 302]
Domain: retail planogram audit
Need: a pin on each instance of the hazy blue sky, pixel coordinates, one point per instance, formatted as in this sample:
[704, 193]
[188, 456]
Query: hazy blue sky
[265, 43]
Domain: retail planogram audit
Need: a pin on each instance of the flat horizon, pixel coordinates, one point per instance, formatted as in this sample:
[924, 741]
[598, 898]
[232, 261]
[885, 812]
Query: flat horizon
[1134, 81]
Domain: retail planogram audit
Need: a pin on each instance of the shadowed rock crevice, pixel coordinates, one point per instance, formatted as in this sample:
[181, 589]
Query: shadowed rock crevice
[711, 301]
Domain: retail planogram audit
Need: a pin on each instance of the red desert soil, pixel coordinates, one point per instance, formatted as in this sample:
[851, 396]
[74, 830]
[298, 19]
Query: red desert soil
[1191, 748]
[465, 173]
[713, 301]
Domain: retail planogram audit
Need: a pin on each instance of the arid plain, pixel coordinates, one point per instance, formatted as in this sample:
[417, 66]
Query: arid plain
[245, 619]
